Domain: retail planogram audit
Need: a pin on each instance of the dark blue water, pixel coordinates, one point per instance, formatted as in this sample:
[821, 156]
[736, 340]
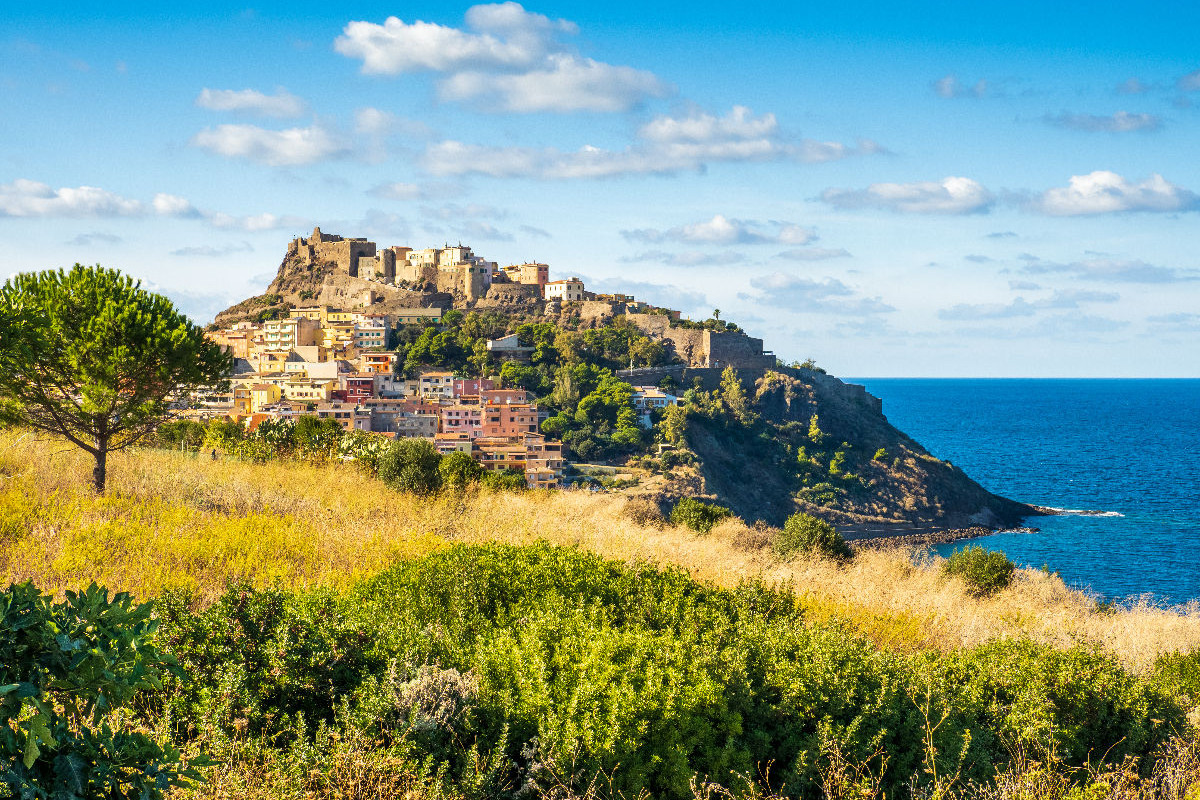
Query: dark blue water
[1123, 447]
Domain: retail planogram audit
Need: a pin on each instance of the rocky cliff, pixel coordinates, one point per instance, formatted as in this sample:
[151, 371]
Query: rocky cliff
[819, 445]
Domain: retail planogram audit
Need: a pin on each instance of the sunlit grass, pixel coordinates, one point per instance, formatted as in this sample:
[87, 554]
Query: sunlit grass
[173, 520]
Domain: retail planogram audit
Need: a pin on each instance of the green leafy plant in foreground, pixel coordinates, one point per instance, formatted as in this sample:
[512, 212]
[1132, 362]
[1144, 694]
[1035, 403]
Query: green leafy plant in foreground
[65, 669]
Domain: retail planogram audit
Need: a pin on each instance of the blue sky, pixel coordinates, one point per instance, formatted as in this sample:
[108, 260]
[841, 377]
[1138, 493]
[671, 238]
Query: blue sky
[891, 189]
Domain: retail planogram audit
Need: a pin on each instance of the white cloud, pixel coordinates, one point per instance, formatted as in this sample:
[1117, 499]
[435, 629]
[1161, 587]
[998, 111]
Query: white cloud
[1111, 270]
[26, 198]
[454, 211]
[1104, 192]
[1120, 122]
[796, 293]
[724, 231]
[1020, 307]
[94, 238]
[259, 222]
[567, 83]
[291, 147]
[665, 146]
[686, 259]
[280, 105]
[813, 254]
[951, 195]
[504, 59]
[171, 205]
[209, 251]
[950, 86]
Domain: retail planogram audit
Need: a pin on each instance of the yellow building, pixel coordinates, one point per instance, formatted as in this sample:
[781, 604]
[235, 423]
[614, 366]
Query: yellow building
[263, 394]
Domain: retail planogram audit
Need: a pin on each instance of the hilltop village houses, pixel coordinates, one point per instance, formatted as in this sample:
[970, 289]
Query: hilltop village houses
[335, 363]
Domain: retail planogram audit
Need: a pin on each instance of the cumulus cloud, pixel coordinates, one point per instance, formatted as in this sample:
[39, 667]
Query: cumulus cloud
[1110, 270]
[951, 195]
[285, 148]
[172, 205]
[796, 293]
[1104, 192]
[26, 198]
[1120, 122]
[567, 83]
[280, 105]
[504, 59]
[950, 86]
[721, 230]
[666, 145]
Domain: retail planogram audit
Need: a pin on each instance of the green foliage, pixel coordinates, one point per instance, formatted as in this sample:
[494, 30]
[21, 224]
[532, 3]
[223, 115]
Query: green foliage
[1179, 674]
[815, 434]
[804, 533]
[66, 669]
[183, 434]
[458, 471]
[673, 424]
[837, 464]
[734, 396]
[317, 437]
[985, 572]
[555, 668]
[698, 515]
[91, 356]
[410, 465]
[880, 455]
[504, 480]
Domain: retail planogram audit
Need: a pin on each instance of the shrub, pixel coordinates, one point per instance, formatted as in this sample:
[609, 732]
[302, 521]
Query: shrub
[505, 480]
[804, 533]
[697, 515]
[65, 668]
[644, 511]
[880, 455]
[459, 470]
[984, 571]
[411, 465]
[1179, 674]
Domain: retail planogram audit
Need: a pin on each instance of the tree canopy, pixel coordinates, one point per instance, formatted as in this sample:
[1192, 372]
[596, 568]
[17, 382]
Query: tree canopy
[89, 355]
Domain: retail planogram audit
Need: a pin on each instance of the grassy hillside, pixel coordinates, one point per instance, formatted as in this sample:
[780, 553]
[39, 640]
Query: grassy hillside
[176, 521]
[342, 640]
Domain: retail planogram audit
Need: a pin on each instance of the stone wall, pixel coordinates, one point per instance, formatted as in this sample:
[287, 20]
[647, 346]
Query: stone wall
[703, 348]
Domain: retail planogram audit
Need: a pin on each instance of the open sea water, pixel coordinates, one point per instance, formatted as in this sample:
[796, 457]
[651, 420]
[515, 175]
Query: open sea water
[1122, 455]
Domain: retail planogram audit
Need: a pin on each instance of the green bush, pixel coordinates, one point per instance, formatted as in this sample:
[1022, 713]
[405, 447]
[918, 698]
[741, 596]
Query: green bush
[69, 674]
[550, 664]
[411, 465]
[804, 533]
[697, 515]
[984, 571]
[1179, 673]
[458, 470]
[504, 480]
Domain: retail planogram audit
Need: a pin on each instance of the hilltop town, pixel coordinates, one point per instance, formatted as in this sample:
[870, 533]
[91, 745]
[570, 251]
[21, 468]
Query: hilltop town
[320, 342]
[532, 373]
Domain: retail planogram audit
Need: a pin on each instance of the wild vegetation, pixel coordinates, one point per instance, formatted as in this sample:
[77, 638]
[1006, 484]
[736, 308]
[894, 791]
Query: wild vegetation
[343, 639]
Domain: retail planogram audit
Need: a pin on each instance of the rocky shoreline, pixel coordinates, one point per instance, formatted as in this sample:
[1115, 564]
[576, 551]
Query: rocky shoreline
[878, 540]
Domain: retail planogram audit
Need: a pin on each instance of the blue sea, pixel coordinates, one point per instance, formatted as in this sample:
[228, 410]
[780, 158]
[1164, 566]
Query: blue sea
[1122, 456]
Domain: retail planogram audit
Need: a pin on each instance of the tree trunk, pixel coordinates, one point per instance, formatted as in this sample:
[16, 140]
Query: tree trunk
[98, 473]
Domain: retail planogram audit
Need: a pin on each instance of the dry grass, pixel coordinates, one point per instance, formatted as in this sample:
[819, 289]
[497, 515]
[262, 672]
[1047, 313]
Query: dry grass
[172, 520]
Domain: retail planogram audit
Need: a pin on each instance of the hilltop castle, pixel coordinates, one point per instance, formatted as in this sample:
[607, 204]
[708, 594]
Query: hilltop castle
[456, 269]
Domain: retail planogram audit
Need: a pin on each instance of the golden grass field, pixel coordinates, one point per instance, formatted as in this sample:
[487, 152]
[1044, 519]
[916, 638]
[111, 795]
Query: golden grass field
[174, 520]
